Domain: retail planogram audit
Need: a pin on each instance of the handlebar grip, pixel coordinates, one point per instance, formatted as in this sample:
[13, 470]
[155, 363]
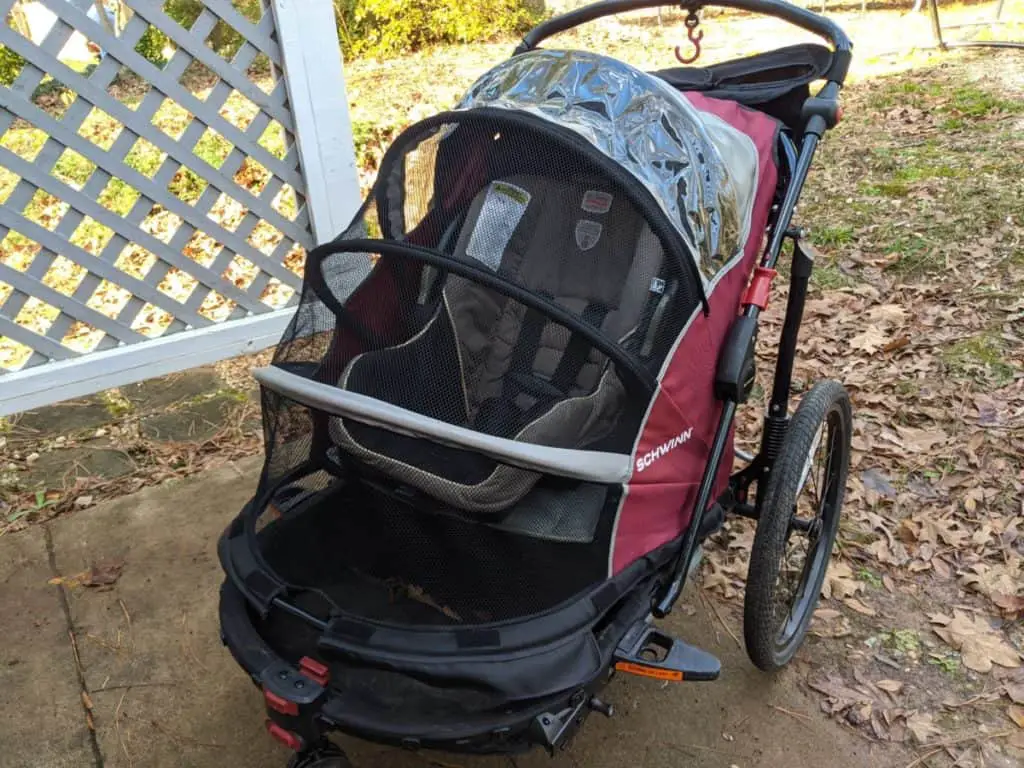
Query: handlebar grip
[781, 9]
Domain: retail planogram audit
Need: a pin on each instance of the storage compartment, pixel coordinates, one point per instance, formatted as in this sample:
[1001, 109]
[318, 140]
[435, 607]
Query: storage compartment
[377, 551]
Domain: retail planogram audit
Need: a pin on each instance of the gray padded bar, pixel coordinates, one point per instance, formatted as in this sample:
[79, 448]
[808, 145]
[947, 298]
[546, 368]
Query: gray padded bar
[592, 466]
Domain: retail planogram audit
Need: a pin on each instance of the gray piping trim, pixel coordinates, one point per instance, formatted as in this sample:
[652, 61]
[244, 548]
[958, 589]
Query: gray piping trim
[592, 466]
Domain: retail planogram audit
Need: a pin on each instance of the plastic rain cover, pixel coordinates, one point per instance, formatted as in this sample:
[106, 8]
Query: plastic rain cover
[702, 171]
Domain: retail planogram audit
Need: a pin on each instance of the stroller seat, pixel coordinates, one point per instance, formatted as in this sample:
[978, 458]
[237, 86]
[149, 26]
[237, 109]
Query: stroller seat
[488, 363]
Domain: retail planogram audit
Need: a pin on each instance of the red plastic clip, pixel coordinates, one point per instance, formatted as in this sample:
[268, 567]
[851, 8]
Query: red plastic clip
[315, 671]
[280, 704]
[289, 739]
[759, 288]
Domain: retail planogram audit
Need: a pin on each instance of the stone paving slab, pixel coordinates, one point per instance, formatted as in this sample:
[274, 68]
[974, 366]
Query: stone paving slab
[42, 722]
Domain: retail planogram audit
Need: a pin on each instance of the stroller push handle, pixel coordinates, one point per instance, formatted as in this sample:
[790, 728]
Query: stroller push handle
[781, 9]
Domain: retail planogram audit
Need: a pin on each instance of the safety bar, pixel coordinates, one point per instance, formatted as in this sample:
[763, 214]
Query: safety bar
[590, 466]
[780, 9]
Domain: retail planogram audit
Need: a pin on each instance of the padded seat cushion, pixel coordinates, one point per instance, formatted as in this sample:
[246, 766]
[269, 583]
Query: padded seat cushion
[487, 362]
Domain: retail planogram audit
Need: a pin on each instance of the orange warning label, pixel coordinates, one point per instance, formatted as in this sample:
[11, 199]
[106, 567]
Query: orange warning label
[658, 674]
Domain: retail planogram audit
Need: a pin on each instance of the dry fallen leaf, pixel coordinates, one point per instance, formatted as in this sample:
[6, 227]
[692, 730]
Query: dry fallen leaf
[891, 686]
[1016, 714]
[1015, 691]
[920, 440]
[840, 582]
[859, 607]
[102, 574]
[871, 340]
[922, 727]
[979, 645]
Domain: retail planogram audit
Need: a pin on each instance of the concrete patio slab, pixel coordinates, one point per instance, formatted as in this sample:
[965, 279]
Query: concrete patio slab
[43, 723]
[165, 693]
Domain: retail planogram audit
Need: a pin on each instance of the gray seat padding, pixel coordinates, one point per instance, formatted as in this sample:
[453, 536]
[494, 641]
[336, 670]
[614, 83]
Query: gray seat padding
[491, 364]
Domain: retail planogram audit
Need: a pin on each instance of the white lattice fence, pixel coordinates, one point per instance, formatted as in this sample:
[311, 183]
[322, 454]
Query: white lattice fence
[155, 217]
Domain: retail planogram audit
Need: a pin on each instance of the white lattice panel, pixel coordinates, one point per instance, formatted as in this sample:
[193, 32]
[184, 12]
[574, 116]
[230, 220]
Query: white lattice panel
[138, 200]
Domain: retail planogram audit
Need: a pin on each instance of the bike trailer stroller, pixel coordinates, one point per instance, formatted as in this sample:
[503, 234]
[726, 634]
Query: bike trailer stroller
[500, 423]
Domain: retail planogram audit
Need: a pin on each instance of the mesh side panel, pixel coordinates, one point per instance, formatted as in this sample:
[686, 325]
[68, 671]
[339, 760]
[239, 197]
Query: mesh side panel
[381, 555]
[544, 217]
[452, 351]
[514, 199]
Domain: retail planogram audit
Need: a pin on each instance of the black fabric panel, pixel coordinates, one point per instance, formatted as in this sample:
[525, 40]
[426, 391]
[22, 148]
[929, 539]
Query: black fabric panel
[516, 676]
[477, 638]
[776, 82]
[364, 546]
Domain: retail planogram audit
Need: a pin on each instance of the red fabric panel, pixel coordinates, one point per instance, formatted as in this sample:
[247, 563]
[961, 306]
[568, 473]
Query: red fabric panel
[661, 493]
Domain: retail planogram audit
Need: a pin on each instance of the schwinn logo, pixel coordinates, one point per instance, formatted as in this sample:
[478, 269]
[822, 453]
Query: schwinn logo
[669, 445]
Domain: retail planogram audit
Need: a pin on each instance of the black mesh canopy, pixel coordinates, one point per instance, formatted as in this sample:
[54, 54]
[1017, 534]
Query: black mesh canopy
[501, 280]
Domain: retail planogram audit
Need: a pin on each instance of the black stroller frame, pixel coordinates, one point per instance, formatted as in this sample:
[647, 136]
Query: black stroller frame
[298, 696]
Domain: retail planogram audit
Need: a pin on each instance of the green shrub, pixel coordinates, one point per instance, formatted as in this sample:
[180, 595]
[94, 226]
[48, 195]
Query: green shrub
[223, 39]
[10, 65]
[388, 27]
[151, 46]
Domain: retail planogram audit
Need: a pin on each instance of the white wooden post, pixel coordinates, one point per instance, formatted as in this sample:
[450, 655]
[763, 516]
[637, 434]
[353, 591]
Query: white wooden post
[308, 36]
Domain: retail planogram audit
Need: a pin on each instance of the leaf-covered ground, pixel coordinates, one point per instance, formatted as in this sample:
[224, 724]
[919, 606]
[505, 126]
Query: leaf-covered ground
[917, 207]
[916, 204]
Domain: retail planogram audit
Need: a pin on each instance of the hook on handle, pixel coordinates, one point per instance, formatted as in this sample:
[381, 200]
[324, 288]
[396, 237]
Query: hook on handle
[694, 35]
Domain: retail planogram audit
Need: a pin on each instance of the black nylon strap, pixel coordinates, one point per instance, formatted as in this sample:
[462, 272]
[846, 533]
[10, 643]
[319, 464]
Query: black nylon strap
[577, 350]
[529, 342]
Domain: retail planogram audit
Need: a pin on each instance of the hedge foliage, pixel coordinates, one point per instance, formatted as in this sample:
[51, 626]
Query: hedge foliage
[365, 27]
[223, 39]
[10, 65]
[389, 27]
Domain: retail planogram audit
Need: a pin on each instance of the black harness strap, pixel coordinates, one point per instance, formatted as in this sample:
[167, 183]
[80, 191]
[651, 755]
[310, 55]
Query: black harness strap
[577, 350]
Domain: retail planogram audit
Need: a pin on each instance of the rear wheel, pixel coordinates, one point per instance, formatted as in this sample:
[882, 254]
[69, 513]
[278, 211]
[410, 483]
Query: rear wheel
[324, 755]
[797, 526]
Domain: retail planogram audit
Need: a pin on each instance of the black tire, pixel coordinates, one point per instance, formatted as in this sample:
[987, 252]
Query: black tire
[775, 618]
[325, 755]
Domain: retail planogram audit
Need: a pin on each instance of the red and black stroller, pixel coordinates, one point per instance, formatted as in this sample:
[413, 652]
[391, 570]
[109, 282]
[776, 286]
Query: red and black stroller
[500, 424]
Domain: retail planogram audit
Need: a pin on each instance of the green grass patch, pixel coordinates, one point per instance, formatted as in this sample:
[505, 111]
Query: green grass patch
[273, 140]
[73, 169]
[832, 237]
[213, 148]
[981, 357]
[870, 577]
[947, 662]
[828, 277]
[118, 197]
[889, 188]
[975, 103]
[903, 93]
[903, 641]
[145, 158]
[912, 171]
[916, 256]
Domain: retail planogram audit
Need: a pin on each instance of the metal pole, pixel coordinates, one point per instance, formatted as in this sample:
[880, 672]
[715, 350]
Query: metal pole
[933, 8]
